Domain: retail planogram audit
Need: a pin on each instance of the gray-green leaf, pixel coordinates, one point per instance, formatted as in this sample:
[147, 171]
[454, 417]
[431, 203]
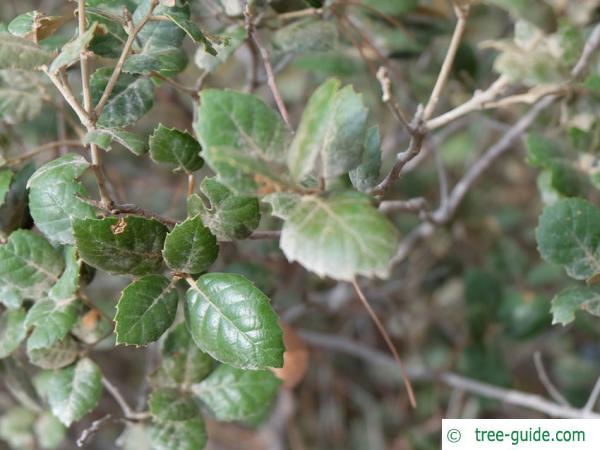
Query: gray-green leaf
[71, 51]
[68, 284]
[235, 394]
[12, 330]
[130, 245]
[366, 175]
[567, 302]
[183, 21]
[5, 179]
[190, 247]
[340, 236]
[19, 53]
[183, 361]
[52, 322]
[145, 310]
[170, 404]
[103, 137]
[183, 435]
[56, 356]
[166, 61]
[175, 148]
[232, 320]
[74, 391]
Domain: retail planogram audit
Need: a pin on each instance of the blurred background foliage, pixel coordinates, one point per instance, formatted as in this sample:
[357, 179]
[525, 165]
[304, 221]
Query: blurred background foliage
[473, 298]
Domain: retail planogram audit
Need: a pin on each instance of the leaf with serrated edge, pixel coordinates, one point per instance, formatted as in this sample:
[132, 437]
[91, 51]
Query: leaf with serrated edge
[145, 310]
[29, 266]
[235, 394]
[134, 247]
[53, 197]
[182, 360]
[170, 404]
[190, 247]
[175, 148]
[331, 133]
[232, 320]
[183, 435]
[51, 321]
[568, 234]
[74, 391]
[19, 53]
[567, 302]
[12, 330]
[341, 236]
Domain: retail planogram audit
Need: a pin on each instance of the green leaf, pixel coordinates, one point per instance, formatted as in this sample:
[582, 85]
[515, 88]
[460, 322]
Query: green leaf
[234, 394]
[166, 61]
[74, 391]
[71, 51]
[182, 435]
[130, 245]
[5, 179]
[231, 40]
[190, 247]
[159, 34]
[111, 36]
[308, 35]
[35, 26]
[49, 431]
[183, 361]
[29, 266]
[232, 320]
[68, 284]
[242, 138]
[103, 137]
[145, 310]
[329, 237]
[172, 405]
[571, 300]
[16, 426]
[191, 29]
[52, 322]
[14, 213]
[568, 234]
[331, 133]
[19, 53]
[53, 197]
[12, 331]
[175, 148]
[131, 98]
[366, 175]
[21, 98]
[56, 356]
[282, 203]
[229, 216]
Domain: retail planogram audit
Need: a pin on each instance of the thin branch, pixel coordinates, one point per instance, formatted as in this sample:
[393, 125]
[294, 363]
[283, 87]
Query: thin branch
[43, 148]
[301, 13]
[69, 97]
[191, 184]
[90, 431]
[416, 204]
[462, 13]
[191, 91]
[264, 53]
[128, 412]
[133, 32]
[388, 341]
[545, 379]
[388, 98]
[507, 396]
[591, 402]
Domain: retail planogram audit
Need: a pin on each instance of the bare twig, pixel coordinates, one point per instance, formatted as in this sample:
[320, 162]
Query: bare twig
[591, 402]
[69, 97]
[545, 379]
[128, 412]
[507, 396]
[191, 184]
[264, 53]
[417, 204]
[43, 148]
[388, 341]
[301, 13]
[388, 98]
[90, 431]
[462, 13]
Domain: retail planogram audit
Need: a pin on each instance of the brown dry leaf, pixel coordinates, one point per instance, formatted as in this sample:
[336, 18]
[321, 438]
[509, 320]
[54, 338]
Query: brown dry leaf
[295, 358]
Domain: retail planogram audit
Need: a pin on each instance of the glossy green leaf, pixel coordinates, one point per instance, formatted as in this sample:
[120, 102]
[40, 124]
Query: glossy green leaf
[53, 197]
[74, 391]
[175, 148]
[366, 175]
[229, 216]
[12, 330]
[231, 40]
[29, 267]
[19, 53]
[329, 236]
[131, 98]
[51, 321]
[242, 139]
[58, 355]
[166, 61]
[5, 179]
[49, 431]
[71, 51]
[568, 234]
[130, 245]
[103, 137]
[568, 302]
[183, 361]
[331, 133]
[145, 310]
[183, 435]
[232, 320]
[171, 404]
[190, 247]
[68, 284]
[235, 394]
